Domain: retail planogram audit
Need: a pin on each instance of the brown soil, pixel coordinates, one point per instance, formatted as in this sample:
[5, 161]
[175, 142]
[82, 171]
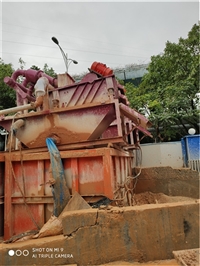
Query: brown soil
[188, 257]
[154, 198]
[156, 262]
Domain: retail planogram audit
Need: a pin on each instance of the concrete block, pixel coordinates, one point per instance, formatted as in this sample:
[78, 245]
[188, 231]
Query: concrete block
[140, 233]
[74, 220]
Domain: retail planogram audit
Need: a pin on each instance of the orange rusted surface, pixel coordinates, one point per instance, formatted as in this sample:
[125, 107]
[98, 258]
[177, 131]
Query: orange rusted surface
[2, 159]
[93, 173]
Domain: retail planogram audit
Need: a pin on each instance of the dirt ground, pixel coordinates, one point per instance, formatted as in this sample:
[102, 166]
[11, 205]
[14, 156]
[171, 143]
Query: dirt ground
[150, 263]
[188, 257]
[155, 198]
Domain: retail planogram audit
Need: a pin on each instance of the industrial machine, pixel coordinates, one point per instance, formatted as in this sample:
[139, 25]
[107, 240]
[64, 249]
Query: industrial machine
[94, 109]
[95, 132]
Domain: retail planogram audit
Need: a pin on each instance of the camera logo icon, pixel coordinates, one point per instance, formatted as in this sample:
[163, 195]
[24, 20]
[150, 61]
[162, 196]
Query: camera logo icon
[18, 252]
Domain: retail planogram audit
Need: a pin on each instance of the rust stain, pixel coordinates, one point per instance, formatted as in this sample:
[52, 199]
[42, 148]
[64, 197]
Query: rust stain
[92, 188]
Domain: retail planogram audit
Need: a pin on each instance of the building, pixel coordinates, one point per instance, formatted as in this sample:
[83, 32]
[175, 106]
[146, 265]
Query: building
[131, 73]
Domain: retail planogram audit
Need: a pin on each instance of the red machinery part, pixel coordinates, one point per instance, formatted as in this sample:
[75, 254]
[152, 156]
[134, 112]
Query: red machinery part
[101, 69]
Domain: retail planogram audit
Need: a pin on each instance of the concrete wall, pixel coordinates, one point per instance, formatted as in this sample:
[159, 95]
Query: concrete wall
[161, 154]
[92, 237]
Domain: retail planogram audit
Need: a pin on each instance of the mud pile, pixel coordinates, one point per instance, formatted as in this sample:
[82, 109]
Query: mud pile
[155, 198]
[187, 257]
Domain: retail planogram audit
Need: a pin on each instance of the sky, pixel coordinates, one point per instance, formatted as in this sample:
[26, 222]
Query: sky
[114, 33]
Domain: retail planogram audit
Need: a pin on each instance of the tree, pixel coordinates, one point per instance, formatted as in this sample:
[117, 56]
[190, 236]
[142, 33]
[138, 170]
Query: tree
[49, 71]
[7, 95]
[21, 63]
[168, 93]
[35, 67]
[46, 69]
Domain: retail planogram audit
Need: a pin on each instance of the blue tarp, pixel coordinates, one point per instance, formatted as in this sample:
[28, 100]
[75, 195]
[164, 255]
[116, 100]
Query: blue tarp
[60, 191]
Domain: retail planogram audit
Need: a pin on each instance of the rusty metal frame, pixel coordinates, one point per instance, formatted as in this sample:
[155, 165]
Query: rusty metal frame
[108, 155]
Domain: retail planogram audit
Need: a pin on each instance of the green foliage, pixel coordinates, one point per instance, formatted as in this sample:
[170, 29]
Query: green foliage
[7, 95]
[49, 71]
[167, 93]
[21, 63]
[35, 67]
[46, 69]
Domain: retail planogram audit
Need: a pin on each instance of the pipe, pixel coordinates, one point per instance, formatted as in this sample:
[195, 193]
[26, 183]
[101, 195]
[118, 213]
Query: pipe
[17, 73]
[16, 125]
[40, 86]
[32, 76]
[60, 190]
[52, 81]
[39, 101]
[40, 90]
[17, 109]
[19, 88]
